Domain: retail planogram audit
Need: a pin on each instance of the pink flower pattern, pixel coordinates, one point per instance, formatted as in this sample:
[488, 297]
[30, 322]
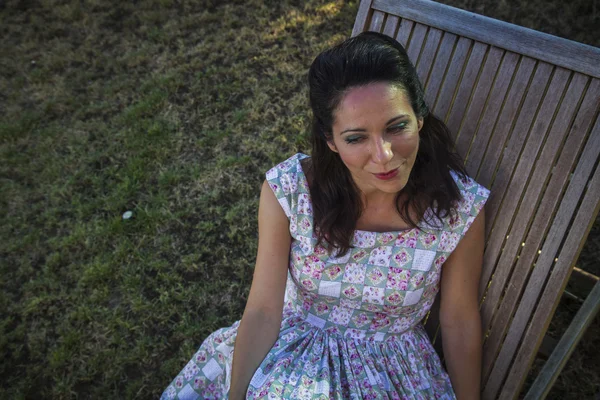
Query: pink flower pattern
[362, 310]
[428, 240]
[351, 292]
[376, 276]
[373, 295]
[395, 298]
[333, 272]
[380, 256]
[402, 257]
[408, 240]
[322, 308]
[361, 319]
[355, 273]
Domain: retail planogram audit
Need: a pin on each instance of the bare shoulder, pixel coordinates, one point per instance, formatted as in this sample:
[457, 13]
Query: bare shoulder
[271, 217]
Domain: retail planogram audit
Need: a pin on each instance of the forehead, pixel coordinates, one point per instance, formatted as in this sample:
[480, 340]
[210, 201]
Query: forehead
[370, 103]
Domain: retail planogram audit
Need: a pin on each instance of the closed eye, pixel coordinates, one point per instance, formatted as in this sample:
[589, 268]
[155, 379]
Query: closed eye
[394, 129]
[354, 139]
[398, 127]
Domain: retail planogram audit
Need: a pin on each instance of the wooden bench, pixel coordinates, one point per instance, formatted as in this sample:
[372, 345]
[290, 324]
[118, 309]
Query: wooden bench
[523, 107]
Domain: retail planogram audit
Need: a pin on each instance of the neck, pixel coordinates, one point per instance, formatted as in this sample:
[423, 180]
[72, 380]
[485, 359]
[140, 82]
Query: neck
[378, 201]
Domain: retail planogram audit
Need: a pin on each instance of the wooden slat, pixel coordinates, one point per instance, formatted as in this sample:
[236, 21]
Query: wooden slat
[440, 65]
[474, 112]
[405, 31]
[496, 147]
[465, 89]
[531, 204]
[391, 24]
[492, 112]
[504, 175]
[548, 48]
[559, 357]
[554, 237]
[501, 132]
[523, 163]
[416, 42]
[443, 102]
[376, 21]
[556, 283]
[543, 210]
[428, 54]
[362, 17]
[509, 196]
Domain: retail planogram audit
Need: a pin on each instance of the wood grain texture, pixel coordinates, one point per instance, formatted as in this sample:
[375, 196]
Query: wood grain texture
[544, 47]
[443, 102]
[377, 20]
[405, 31]
[533, 177]
[440, 66]
[362, 17]
[556, 284]
[481, 92]
[576, 235]
[501, 195]
[553, 239]
[465, 89]
[501, 134]
[391, 26]
[491, 114]
[532, 204]
[499, 202]
[430, 48]
[416, 42]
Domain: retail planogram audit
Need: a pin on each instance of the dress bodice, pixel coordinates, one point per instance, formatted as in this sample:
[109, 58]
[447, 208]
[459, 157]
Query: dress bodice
[386, 283]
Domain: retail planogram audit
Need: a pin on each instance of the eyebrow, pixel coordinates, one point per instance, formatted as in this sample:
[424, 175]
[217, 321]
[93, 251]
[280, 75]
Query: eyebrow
[364, 130]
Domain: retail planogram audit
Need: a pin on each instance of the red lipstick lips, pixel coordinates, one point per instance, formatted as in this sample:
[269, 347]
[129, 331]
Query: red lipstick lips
[387, 175]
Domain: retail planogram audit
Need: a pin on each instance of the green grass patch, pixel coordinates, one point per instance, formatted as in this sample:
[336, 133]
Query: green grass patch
[173, 111]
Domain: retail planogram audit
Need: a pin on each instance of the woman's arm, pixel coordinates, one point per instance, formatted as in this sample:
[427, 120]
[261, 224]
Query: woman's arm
[459, 312]
[261, 321]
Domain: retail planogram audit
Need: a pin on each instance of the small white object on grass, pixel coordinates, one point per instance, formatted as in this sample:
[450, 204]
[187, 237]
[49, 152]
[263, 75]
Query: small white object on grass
[127, 214]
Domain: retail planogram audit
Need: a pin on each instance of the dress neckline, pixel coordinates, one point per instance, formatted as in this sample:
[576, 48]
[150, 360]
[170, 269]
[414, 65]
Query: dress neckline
[302, 156]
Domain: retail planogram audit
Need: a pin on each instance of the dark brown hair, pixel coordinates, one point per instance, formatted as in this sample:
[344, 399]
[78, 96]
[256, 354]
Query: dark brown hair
[369, 58]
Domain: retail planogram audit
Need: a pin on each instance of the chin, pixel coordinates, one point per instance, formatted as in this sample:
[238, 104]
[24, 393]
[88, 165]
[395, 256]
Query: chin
[391, 187]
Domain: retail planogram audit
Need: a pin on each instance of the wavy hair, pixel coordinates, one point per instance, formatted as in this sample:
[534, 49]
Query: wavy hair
[373, 58]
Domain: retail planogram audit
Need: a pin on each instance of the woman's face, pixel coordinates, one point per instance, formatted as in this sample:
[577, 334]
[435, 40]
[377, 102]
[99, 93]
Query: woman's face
[376, 131]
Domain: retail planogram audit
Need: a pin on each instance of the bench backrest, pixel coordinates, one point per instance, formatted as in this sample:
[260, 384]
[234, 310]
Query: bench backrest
[523, 107]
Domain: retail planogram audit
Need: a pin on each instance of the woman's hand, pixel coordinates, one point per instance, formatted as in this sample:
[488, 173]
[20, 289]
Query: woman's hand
[459, 312]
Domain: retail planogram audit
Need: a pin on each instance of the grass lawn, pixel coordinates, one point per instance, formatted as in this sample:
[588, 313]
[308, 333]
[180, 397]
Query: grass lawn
[172, 110]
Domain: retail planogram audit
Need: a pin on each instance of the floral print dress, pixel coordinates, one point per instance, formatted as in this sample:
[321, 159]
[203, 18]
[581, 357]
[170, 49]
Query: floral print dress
[352, 326]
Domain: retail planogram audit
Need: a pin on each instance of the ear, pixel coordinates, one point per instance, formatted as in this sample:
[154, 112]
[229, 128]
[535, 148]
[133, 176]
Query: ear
[420, 123]
[332, 146]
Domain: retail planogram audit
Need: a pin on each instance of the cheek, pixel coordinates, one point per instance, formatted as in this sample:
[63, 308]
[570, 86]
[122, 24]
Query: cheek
[407, 147]
[353, 156]
[351, 159]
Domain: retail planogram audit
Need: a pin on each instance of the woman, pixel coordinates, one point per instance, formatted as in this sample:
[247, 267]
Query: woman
[379, 219]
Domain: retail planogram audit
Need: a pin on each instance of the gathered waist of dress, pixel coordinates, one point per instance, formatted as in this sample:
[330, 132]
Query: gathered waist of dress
[309, 321]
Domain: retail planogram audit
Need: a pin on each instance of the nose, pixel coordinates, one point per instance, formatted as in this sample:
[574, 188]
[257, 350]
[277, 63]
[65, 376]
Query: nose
[382, 151]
